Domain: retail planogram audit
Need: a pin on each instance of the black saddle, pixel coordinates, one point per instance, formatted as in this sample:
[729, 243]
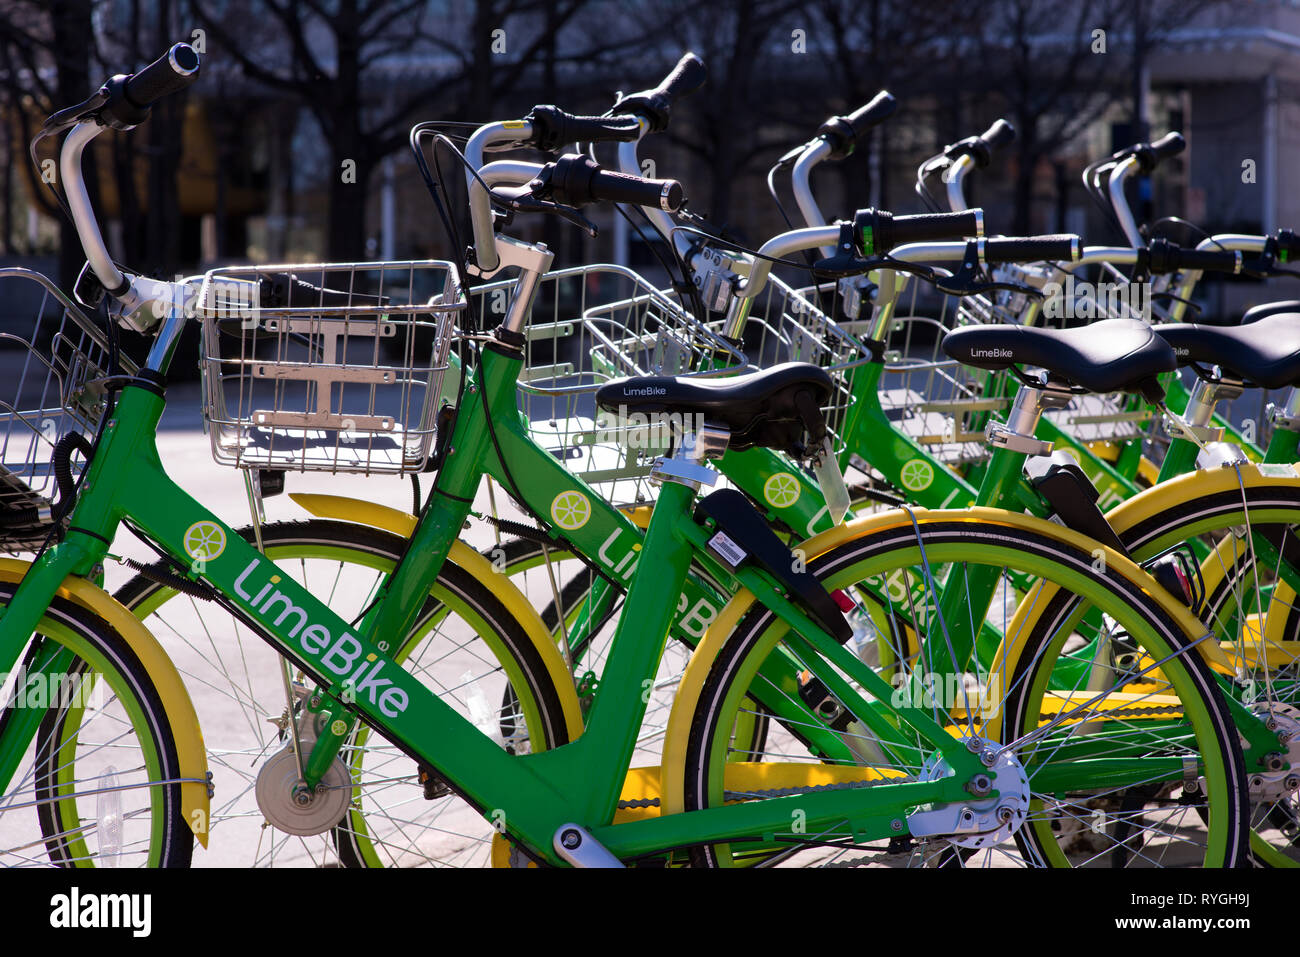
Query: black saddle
[773, 408]
[1266, 352]
[1255, 313]
[1113, 355]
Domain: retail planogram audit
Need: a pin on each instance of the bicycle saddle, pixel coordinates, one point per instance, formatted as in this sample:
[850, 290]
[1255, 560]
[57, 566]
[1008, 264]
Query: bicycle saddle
[772, 408]
[1265, 352]
[1113, 355]
[1255, 313]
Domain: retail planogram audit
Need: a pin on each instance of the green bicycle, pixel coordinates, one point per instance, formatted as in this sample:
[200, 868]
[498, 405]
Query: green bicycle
[957, 780]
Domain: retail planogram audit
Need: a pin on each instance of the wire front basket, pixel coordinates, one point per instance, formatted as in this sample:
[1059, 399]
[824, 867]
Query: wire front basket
[55, 358]
[590, 325]
[939, 402]
[326, 367]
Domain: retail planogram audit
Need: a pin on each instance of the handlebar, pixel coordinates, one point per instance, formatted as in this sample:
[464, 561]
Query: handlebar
[576, 180]
[1167, 257]
[122, 103]
[656, 105]
[881, 232]
[552, 128]
[974, 152]
[1032, 249]
[1150, 155]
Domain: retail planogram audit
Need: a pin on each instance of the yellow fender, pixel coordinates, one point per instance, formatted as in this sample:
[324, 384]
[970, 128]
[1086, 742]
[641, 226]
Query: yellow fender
[178, 707]
[697, 669]
[402, 523]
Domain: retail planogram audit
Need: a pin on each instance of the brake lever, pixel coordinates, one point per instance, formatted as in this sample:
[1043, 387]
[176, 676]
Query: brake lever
[971, 280]
[522, 199]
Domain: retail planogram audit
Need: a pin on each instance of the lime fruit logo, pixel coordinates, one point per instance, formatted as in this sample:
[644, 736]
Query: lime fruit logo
[917, 475]
[781, 490]
[204, 541]
[570, 510]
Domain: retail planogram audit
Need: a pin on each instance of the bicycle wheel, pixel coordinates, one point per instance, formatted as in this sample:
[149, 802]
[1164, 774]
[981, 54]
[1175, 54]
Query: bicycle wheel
[1250, 570]
[98, 783]
[466, 646]
[1146, 760]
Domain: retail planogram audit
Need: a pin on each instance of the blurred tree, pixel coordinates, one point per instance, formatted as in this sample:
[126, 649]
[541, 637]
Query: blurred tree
[870, 45]
[328, 57]
[47, 52]
[1061, 64]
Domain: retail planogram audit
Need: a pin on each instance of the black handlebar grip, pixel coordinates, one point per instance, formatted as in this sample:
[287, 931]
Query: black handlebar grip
[575, 180]
[1171, 144]
[553, 128]
[934, 227]
[615, 187]
[1213, 260]
[881, 108]
[170, 73]
[1150, 155]
[656, 105]
[687, 76]
[1166, 257]
[998, 135]
[1031, 249]
[843, 133]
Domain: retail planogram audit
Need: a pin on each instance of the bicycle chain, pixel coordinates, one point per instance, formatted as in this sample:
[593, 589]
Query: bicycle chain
[1131, 711]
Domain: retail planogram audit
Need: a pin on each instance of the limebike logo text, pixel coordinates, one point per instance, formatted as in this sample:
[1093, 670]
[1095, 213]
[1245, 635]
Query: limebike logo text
[1100, 300]
[44, 690]
[339, 655]
[644, 430]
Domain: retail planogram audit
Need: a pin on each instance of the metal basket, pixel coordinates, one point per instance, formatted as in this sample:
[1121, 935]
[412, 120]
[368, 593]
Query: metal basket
[592, 324]
[52, 355]
[786, 324]
[326, 367]
[939, 402]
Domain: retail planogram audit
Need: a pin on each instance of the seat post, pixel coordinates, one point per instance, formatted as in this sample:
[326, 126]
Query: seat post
[686, 464]
[1205, 396]
[1017, 433]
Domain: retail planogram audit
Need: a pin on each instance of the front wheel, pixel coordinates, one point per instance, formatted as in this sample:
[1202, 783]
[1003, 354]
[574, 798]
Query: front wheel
[1123, 768]
[466, 646]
